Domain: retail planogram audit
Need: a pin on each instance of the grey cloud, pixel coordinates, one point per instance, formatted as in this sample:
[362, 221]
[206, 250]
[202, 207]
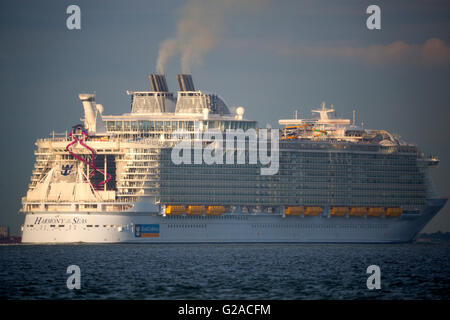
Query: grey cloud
[433, 52]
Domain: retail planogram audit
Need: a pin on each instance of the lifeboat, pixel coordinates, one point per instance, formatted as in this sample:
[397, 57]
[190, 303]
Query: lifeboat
[393, 212]
[338, 211]
[175, 210]
[215, 210]
[375, 212]
[357, 211]
[313, 211]
[294, 211]
[195, 210]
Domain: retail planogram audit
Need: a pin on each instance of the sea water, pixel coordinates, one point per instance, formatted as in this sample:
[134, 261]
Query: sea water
[225, 271]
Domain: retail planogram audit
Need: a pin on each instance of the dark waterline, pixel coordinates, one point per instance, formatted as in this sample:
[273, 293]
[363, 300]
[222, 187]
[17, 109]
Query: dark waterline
[225, 271]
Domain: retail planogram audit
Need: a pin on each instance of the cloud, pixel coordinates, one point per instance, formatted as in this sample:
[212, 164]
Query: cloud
[433, 52]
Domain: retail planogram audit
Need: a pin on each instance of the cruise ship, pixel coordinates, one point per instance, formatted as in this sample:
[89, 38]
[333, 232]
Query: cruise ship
[112, 178]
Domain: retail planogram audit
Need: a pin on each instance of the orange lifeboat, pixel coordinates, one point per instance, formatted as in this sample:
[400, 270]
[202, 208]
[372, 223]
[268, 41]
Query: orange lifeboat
[338, 211]
[175, 210]
[195, 210]
[375, 212]
[215, 210]
[357, 211]
[393, 212]
[294, 211]
[313, 211]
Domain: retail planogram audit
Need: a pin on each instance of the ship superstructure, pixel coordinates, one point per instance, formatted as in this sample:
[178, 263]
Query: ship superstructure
[112, 179]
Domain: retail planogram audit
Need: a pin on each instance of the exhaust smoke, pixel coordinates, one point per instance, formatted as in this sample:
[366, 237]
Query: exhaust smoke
[200, 27]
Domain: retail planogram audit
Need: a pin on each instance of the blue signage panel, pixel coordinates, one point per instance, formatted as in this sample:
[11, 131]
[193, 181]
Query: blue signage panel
[146, 230]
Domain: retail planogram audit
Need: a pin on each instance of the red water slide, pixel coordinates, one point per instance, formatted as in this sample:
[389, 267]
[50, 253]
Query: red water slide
[91, 164]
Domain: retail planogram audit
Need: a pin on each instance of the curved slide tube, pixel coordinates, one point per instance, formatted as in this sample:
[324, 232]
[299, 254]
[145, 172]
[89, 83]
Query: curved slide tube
[91, 164]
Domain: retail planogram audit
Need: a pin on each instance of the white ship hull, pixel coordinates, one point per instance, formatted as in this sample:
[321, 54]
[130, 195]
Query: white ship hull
[145, 227]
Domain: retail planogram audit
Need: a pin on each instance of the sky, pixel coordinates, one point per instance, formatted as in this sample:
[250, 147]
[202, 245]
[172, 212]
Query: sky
[272, 57]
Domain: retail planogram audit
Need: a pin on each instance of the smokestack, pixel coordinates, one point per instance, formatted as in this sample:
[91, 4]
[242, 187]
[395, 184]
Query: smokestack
[158, 82]
[185, 82]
